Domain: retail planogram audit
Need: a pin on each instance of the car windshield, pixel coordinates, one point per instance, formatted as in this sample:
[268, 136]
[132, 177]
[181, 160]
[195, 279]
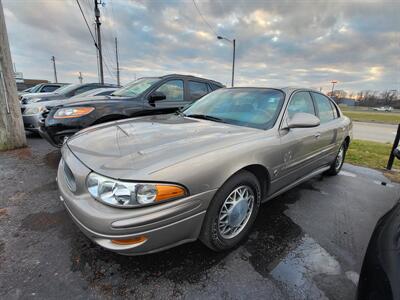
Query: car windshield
[66, 89]
[135, 88]
[36, 88]
[257, 108]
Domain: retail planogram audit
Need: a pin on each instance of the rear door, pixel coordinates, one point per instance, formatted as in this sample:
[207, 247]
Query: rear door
[329, 132]
[196, 90]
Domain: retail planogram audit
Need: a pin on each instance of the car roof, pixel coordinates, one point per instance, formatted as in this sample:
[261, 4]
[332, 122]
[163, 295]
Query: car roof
[183, 76]
[287, 90]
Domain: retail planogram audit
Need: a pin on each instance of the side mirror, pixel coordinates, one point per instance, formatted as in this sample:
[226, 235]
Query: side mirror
[302, 120]
[157, 96]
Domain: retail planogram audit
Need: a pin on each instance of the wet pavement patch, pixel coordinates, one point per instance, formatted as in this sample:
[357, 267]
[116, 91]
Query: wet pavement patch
[186, 263]
[3, 212]
[274, 233]
[52, 159]
[1, 251]
[23, 153]
[43, 221]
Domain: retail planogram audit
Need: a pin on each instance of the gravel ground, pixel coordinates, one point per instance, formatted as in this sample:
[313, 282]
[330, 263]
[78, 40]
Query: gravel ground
[306, 244]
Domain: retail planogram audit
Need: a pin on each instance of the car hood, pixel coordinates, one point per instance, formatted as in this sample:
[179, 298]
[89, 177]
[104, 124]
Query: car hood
[135, 148]
[47, 103]
[95, 99]
[38, 95]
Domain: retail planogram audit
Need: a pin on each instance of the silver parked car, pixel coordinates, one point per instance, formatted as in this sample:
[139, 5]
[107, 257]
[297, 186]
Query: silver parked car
[146, 184]
[32, 112]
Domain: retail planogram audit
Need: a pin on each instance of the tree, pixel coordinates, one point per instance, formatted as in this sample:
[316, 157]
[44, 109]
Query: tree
[388, 97]
[12, 134]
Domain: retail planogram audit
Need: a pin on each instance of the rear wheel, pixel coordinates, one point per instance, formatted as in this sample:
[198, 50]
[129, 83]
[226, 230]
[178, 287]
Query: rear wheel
[232, 212]
[339, 160]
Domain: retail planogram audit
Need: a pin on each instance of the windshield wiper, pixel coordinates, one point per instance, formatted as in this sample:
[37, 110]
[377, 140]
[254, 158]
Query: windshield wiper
[205, 117]
[180, 113]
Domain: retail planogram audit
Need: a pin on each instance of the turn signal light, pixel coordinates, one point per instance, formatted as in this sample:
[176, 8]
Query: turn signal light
[165, 192]
[133, 241]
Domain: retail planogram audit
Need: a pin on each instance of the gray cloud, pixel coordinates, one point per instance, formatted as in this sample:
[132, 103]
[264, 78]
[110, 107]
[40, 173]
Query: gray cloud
[278, 42]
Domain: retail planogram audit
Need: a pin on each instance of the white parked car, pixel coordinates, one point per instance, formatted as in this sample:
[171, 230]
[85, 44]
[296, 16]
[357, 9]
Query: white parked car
[383, 108]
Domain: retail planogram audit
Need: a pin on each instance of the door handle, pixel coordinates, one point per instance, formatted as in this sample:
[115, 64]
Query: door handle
[317, 135]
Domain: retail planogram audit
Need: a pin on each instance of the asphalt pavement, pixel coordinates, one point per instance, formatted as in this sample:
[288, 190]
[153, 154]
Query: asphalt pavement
[376, 132]
[307, 244]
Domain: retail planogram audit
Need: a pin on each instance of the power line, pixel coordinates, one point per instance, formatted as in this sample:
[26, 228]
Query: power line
[108, 69]
[204, 19]
[94, 40]
[87, 24]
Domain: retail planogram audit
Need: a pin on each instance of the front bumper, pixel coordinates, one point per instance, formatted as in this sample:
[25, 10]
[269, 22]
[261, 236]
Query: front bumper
[55, 139]
[31, 122]
[164, 225]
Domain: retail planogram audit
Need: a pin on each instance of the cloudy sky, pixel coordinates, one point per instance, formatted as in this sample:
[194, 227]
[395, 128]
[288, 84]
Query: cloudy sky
[279, 43]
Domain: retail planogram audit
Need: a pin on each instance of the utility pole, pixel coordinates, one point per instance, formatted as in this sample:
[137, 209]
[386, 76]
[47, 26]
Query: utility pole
[97, 14]
[12, 133]
[116, 58]
[53, 59]
[80, 78]
[97, 53]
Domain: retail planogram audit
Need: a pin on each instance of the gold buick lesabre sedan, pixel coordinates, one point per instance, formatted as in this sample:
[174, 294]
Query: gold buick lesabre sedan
[149, 183]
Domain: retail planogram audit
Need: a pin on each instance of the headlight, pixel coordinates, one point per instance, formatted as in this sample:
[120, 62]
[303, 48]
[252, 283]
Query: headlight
[130, 194]
[34, 110]
[72, 112]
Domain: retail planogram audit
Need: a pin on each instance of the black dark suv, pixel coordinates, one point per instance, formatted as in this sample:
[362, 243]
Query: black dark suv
[145, 96]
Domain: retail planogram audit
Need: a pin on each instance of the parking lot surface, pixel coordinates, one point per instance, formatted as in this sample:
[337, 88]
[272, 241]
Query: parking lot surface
[307, 244]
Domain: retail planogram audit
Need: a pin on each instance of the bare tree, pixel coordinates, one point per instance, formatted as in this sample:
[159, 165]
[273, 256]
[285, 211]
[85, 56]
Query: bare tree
[12, 134]
[388, 97]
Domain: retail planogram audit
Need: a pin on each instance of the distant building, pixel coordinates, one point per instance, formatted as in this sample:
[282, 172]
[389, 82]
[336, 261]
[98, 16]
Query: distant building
[348, 101]
[23, 84]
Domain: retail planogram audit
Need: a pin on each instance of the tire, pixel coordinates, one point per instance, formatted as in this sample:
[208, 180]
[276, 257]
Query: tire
[337, 166]
[211, 233]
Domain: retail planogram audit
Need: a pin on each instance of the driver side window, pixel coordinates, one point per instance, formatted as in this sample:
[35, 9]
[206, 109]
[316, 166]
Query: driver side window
[301, 102]
[173, 90]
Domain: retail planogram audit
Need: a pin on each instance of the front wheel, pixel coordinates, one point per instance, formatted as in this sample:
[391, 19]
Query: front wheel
[339, 160]
[232, 212]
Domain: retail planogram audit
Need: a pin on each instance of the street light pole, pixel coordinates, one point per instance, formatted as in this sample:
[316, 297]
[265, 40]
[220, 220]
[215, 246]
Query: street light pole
[233, 62]
[233, 42]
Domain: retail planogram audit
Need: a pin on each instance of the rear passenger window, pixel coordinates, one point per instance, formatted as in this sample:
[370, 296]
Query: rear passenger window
[301, 102]
[326, 112]
[214, 86]
[197, 90]
[335, 110]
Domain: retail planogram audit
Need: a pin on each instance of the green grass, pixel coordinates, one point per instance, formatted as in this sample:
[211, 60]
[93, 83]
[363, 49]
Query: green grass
[376, 117]
[372, 155]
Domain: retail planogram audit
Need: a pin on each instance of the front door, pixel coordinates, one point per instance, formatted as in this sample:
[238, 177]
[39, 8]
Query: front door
[175, 97]
[299, 145]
